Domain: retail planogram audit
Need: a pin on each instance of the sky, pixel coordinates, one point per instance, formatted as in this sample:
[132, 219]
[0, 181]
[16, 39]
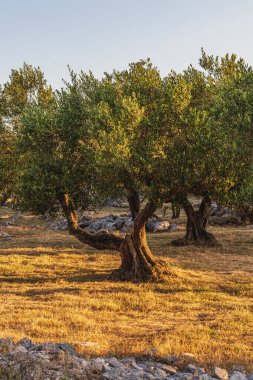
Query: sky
[101, 35]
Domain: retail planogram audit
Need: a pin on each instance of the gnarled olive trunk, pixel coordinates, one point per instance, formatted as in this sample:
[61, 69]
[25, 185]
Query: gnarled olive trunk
[137, 261]
[197, 221]
[101, 240]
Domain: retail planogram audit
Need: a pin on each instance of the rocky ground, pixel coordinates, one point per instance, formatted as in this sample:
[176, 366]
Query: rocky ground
[122, 223]
[26, 360]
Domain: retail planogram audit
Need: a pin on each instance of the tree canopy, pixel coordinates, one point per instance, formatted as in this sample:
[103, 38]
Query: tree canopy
[131, 134]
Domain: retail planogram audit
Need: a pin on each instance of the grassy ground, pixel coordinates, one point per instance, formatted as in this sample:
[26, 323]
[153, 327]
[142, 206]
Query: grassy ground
[52, 288]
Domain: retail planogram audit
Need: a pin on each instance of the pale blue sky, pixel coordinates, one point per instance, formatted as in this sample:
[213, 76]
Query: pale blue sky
[104, 34]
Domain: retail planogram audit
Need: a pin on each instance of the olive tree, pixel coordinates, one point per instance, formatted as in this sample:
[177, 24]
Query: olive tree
[214, 152]
[6, 155]
[99, 138]
[25, 86]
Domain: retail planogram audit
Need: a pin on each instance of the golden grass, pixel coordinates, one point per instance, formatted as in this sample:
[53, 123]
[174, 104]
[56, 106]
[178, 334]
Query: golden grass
[52, 288]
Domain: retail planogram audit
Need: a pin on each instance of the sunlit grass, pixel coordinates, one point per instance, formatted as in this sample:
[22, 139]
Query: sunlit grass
[53, 288]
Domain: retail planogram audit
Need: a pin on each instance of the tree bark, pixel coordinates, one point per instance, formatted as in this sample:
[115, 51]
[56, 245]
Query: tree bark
[137, 261]
[133, 201]
[100, 240]
[197, 221]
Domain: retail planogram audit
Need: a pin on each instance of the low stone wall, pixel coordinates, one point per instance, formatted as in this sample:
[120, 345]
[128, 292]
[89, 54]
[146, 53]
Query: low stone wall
[122, 223]
[28, 361]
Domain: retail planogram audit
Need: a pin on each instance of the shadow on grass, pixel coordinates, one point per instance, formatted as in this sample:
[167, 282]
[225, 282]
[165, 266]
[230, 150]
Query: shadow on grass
[46, 292]
[81, 277]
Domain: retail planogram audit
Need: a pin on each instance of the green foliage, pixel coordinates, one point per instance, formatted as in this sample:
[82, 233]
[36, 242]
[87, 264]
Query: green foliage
[25, 86]
[7, 155]
[187, 133]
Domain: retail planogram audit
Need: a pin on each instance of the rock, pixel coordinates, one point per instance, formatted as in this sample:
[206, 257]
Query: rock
[25, 342]
[174, 227]
[152, 223]
[6, 345]
[224, 215]
[155, 224]
[26, 360]
[188, 355]
[169, 359]
[127, 226]
[112, 223]
[167, 368]
[161, 227]
[237, 375]
[204, 376]
[113, 362]
[113, 203]
[62, 225]
[238, 368]
[67, 348]
[84, 221]
[192, 368]
[183, 376]
[220, 373]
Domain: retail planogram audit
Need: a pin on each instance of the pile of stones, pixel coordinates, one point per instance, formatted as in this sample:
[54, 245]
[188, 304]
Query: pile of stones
[26, 360]
[224, 215]
[122, 223]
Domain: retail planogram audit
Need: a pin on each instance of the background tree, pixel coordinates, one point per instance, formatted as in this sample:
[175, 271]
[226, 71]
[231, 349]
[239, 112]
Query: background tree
[211, 148]
[7, 163]
[26, 85]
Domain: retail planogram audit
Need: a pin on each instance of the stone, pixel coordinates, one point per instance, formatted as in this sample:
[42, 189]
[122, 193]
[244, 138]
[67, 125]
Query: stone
[169, 359]
[237, 375]
[113, 203]
[183, 376]
[224, 215]
[188, 355]
[113, 362]
[6, 345]
[174, 227]
[191, 368]
[128, 225]
[220, 373]
[204, 376]
[25, 342]
[67, 348]
[161, 227]
[56, 361]
[167, 368]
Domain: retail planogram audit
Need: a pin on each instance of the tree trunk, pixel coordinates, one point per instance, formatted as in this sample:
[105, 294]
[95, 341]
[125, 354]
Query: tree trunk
[133, 201]
[197, 221]
[100, 240]
[137, 261]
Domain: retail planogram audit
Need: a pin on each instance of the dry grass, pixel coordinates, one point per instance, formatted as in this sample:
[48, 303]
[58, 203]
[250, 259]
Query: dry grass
[54, 289]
